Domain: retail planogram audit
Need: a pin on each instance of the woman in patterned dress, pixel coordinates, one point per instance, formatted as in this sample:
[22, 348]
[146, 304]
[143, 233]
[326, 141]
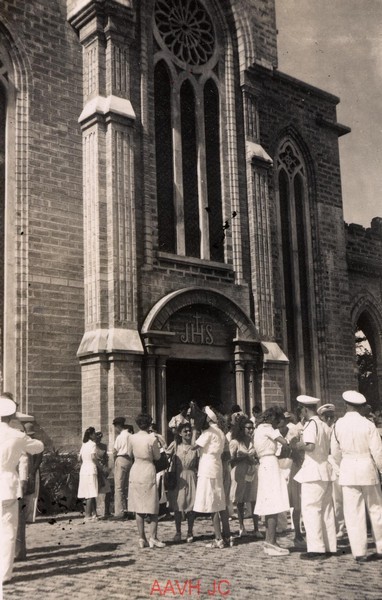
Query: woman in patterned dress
[182, 498]
[244, 472]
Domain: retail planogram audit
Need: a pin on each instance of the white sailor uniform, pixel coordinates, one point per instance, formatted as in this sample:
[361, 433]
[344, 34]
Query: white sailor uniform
[13, 444]
[316, 478]
[357, 447]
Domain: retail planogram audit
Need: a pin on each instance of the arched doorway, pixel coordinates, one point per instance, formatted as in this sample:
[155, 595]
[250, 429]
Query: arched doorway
[366, 346]
[200, 345]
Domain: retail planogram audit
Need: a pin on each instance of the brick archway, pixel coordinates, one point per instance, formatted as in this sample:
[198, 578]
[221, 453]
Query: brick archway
[161, 312]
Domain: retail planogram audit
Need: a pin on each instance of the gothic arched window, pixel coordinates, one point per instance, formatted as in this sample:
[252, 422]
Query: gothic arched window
[296, 261]
[187, 130]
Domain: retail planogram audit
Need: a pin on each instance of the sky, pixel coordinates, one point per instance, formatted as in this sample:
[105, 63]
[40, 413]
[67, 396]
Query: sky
[336, 45]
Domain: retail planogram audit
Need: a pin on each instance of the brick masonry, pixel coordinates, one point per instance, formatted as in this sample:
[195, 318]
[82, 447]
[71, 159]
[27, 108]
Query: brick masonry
[66, 65]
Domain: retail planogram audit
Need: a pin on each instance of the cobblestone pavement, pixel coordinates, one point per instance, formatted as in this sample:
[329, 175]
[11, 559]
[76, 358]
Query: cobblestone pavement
[68, 559]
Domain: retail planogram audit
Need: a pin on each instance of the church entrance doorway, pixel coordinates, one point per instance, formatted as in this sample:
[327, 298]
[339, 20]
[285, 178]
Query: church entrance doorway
[205, 382]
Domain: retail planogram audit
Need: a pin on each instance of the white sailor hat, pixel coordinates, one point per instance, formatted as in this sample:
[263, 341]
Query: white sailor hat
[7, 407]
[326, 408]
[353, 397]
[308, 400]
[210, 413]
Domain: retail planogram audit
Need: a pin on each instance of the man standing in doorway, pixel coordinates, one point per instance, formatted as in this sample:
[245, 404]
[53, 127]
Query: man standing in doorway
[13, 444]
[316, 478]
[122, 468]
[357, 447]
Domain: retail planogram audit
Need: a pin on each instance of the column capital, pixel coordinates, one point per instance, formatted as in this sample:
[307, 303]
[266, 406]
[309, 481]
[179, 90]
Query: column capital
[92, 18]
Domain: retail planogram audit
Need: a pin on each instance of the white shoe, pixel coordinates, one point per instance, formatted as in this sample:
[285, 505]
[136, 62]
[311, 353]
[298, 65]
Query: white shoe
[153, 543]
[273, 550]
[340, 535]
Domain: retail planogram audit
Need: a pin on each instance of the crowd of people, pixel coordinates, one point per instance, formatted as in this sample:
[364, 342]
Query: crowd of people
[325, 471]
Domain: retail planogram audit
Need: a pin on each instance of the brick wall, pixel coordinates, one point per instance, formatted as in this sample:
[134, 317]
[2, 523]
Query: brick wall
[54, 215]
[364, 258]
[308, 115]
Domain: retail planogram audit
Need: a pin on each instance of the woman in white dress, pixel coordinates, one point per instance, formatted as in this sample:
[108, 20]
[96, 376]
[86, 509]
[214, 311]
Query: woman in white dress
[210, 496]
[88, 484]
[272, 492]
[143, 492]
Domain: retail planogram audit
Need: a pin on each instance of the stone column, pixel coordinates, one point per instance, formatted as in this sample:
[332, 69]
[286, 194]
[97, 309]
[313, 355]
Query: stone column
[258, 165]
[161, 395]
[151, 386]
[106, 30]
[240, 383]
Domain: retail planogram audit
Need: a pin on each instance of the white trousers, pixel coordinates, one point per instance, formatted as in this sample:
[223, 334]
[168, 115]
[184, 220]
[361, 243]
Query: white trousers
[338, 502]
[8, 531]
[356, 499]
[318, 515]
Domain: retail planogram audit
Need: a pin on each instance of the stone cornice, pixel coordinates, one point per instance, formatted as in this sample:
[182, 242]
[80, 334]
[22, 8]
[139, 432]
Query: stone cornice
[256, 153]
[112, 105]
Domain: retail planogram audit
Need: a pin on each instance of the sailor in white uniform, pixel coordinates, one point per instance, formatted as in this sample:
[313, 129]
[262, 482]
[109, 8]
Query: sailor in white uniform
[327, 414]
[13, 444]
[357, 447]
[316, 476]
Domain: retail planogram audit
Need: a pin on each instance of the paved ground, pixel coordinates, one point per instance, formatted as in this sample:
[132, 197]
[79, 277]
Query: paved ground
[68, 559]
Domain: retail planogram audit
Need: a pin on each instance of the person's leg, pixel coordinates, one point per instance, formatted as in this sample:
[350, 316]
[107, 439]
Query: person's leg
[240, 515]
[311, 505]
[373, 500]
[88, 508]
[296, 516]
[217, 527]
[9, 522]
[153, 527]
[118, 488]
[328, 519]
[140, 521]
[178, 522]
[190, 523]
[355, 519]
[255, 519]
[224, 520]
[94, 507]
[270, 525]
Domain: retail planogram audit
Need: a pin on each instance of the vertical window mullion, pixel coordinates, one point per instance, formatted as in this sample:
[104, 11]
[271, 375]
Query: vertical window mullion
[178, 172]
[202, 177]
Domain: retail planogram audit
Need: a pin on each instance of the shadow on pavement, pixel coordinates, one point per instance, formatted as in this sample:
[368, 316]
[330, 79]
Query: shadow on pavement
[76, 566]
[52, 553]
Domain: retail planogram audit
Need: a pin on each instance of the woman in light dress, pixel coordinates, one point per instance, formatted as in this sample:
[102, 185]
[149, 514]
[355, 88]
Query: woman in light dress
[210, 496]
[88, 483]
[143, 492]
[182, 497]
[272, 493]
[244, 472]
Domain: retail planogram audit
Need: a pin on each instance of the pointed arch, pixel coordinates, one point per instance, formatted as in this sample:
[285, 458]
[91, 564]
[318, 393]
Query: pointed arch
[295, 224]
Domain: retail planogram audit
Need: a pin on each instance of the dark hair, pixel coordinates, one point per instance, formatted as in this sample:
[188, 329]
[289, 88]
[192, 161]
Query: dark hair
[182, 426]
[238, 431]
[271, 414]
[256, 409]
[129, 428]
[89, 431]
[236, 408]
[184, 406]
[143, 420]
[154, 427]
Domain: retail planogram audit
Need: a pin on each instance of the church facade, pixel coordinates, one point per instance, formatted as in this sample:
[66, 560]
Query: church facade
[171, 218]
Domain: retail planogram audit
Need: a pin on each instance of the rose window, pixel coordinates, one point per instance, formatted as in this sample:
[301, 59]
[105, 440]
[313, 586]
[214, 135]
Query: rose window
[186, 30]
